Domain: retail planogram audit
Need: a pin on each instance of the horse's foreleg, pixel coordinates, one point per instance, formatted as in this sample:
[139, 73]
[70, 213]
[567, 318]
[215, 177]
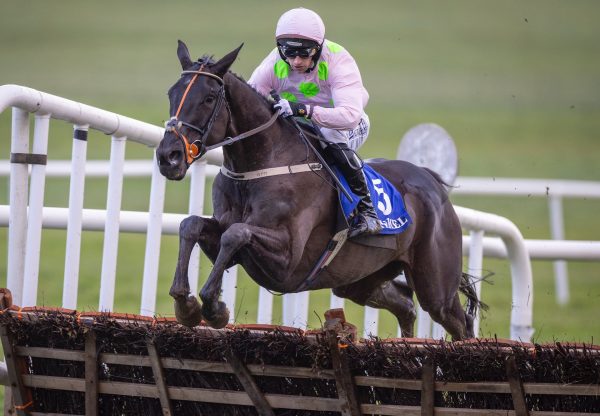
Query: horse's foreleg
[215, 312]
[268, 250]
[191, 231]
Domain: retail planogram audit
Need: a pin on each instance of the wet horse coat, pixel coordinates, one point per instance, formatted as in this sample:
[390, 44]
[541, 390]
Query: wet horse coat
[277, 227]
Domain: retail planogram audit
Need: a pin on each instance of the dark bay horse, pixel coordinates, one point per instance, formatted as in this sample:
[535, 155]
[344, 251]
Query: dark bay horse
[278, 226]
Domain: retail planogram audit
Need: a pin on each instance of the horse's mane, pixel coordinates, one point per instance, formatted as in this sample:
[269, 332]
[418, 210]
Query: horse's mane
[208, 61]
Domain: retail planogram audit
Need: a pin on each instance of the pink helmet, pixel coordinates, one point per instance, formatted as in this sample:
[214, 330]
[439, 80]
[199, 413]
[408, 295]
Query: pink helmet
[301, 23]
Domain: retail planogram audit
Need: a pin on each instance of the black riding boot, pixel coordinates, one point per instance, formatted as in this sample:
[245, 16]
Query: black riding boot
[351, 166]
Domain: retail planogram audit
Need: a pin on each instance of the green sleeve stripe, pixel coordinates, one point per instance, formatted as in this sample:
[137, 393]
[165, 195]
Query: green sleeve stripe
[323, 70]
[334, 47]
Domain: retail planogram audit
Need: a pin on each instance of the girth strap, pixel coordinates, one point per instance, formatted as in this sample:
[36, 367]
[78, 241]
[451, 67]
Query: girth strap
[262, 173]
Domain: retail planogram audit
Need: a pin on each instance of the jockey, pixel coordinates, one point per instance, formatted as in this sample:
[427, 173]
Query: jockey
[319, 80]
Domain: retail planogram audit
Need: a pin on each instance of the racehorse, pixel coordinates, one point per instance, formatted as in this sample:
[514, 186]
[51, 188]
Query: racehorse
[274, 211]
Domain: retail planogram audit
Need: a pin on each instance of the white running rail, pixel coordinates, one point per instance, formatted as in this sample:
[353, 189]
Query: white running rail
[521, 318]
[554, 190]
[27, 190]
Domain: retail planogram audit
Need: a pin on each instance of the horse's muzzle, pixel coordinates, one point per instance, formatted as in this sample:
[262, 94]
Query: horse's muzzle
[171, 162]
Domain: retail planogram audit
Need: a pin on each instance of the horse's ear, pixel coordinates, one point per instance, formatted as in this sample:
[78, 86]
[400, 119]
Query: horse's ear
[184, 55]
[220, 68]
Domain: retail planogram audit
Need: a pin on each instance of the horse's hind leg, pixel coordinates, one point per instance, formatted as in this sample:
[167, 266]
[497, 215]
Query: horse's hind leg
[436, 272]
[451, 316]
[396, 297]
[393, 295]
[436, 286]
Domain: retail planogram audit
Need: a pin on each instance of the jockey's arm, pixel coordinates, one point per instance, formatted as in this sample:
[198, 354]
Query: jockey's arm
[347, 112]
[347, 93]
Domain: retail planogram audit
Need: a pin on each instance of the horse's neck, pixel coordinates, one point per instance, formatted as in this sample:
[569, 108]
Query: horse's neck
[278, 145]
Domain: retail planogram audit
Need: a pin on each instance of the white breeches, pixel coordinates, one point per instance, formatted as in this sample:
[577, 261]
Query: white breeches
[354, 138]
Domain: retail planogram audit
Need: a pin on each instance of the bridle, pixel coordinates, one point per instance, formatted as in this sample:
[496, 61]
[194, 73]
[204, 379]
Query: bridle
[198, 147]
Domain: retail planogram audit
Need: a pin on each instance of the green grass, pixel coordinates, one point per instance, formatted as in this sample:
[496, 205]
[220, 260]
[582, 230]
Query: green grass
[515, 84]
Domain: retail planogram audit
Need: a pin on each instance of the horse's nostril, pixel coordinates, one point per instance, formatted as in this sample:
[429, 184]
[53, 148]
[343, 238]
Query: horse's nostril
[175, 157]
[162, 161]
[170, 159]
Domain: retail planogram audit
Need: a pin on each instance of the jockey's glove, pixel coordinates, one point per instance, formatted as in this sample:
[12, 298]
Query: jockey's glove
[288, 109]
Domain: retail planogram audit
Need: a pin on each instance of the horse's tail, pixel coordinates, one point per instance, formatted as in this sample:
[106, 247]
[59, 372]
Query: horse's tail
[467, 288]
[438, 178]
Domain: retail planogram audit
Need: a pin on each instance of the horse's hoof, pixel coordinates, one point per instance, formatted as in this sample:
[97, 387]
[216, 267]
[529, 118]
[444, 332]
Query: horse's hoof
[188, 311]
[219, 318]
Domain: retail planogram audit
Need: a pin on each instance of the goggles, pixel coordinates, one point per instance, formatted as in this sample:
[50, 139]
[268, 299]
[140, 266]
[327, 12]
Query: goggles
[290, 52]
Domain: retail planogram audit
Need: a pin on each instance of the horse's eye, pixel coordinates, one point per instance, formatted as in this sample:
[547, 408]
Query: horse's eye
[209, 99]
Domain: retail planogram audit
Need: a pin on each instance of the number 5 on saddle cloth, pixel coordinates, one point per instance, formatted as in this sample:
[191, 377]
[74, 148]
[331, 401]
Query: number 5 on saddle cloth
[388, 203]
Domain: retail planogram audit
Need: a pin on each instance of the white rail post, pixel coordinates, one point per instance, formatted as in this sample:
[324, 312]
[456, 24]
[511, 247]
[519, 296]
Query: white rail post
[17, 230]
[295, 309]
[401, 278]
[557, 229]
[475, 270]
[265, 306]
[301, 312]
[229, 291]
[335, 302]
[196, 207]
[437, 331]
[371, 322]
[76, 190]
[288, 305]
[153, 240]
[423, 323]
[521, 316]
[111, 228]
[36, 205]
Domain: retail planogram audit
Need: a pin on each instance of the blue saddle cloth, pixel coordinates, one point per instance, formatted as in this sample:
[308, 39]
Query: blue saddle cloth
[388, 203]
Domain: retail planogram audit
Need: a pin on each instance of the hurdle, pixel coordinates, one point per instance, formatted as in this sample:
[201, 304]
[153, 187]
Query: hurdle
[71, 363]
